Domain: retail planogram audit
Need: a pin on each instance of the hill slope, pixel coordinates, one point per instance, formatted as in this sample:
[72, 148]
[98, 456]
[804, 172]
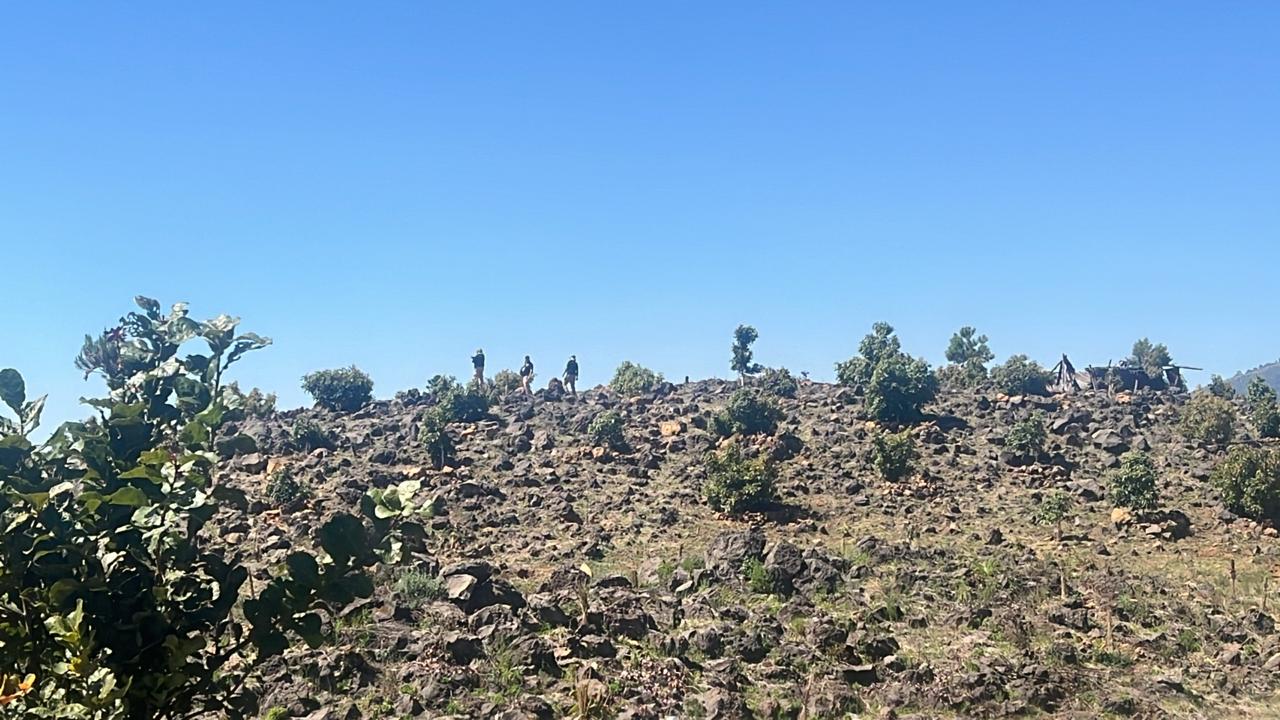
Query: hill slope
[1269, 372]
[937, 596]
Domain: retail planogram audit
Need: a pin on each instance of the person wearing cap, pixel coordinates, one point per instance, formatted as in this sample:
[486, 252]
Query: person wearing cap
[571, 375]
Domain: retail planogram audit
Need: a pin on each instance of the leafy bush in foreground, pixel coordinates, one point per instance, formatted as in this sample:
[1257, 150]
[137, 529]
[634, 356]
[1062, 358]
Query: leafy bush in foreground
[113, 602]
[1133, 484]
[630, 380]
[736, 483]
[1249, 482]
[747, 413]
[343, 389]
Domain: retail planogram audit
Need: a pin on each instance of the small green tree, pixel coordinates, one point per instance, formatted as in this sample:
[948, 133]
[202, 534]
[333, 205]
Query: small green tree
[1219, 387]
[1260, 399]
[1153, 359]
[741, 362]
[736, 483]
[1208, 418]
[433, 433]
[1054, 508]
[968, 354]
[344, 389]
[896, 385]
[1026, 439]
[1020, 375]
[631, 379]
[1249, 481]
[747, 413]
[879, 344]
[1133, 484]
[606, 429]
[894, 454]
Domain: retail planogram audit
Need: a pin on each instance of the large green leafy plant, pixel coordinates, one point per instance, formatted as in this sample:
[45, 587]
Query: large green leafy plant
[115, 599]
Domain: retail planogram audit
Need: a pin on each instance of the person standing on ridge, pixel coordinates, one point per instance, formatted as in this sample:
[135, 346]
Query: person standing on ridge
[526, 375]
[477, 361]
[571, 375]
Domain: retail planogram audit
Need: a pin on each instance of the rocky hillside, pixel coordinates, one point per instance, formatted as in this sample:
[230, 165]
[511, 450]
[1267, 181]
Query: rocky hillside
[562, 579]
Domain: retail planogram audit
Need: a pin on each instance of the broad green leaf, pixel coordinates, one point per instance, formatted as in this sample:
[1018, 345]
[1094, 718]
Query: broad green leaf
[32, 411]
[309, 629]
[149, 306]
[63, 590]
[343, 537]
[237, 445]
[128, 496]
[13, 390]
[304, 569]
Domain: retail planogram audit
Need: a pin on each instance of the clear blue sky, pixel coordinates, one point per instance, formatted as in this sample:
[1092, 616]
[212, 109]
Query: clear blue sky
[395, 184]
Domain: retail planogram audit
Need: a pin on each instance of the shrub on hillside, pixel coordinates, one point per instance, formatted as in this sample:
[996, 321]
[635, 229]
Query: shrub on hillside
[308, 435]
[778, 382]
[505, 382]
[900, 386]
[343, 389]
[284, 489]
[255, 403]
[747, 413]
[433, 433]
[606, 429]
[959, 377]
[1133, 484]
[630, 380]
[1260, 398]
[1208, 418]
[1249, 481]
[894, 454]
[896, 385]
[1020, 375]
[736, 483]
[469, 404]
[1219, 387]
[1026, 439]
[879, 344]
[1054, 508]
